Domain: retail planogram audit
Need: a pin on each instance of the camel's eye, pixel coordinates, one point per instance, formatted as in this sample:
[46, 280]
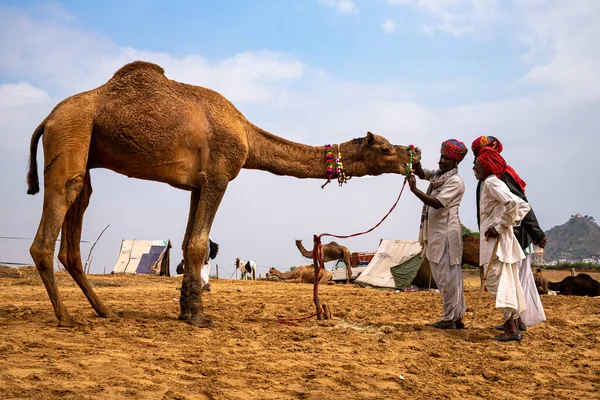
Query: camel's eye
[385, 150]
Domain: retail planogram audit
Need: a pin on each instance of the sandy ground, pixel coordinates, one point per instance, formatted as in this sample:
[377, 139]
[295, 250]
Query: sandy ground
[376, 346]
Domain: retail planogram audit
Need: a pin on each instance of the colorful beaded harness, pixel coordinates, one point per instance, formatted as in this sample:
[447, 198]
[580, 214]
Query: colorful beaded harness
[339, 166]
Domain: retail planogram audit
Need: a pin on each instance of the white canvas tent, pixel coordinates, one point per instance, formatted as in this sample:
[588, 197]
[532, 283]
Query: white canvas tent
[390, 254]
[143, 257]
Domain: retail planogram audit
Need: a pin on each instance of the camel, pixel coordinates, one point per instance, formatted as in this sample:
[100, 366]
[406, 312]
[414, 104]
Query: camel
[580, 285]
[541, 282]
[143, 125]
[331, 251]
[246, 268]
[470, 257]
[302, 274]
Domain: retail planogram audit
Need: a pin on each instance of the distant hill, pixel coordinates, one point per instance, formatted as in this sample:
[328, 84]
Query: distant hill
[575, 240]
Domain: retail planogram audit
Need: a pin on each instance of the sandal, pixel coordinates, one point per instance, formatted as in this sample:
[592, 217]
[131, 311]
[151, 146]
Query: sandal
[444, 325]
[504, 337]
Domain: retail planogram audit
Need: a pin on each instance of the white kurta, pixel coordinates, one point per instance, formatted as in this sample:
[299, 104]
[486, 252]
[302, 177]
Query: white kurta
[204, 273]
[534, 311]
[501, 209]
[443, 226]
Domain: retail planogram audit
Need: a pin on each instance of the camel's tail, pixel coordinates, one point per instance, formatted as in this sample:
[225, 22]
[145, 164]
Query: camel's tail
[33, 181]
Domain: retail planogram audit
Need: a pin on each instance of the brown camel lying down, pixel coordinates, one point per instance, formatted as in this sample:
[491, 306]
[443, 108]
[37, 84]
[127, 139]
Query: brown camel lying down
[303, 274]
[580, 285]
[470, 257]
[541, 282]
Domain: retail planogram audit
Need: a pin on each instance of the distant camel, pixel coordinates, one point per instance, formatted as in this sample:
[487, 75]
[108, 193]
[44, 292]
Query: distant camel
[541, 282]
[331, 251]
[303, 274]
[246, 268]
[144, 125]
[580, 285]
[470, 257]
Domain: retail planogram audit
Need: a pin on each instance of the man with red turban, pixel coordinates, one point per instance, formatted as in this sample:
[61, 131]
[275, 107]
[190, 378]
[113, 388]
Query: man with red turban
[441, 233]
[500, 212]
[528, 233]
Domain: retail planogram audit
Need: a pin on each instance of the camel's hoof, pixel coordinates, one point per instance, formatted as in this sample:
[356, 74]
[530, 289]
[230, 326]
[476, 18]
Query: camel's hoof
[201, 322]
[109, 314]
[68, 323]
[184, 317]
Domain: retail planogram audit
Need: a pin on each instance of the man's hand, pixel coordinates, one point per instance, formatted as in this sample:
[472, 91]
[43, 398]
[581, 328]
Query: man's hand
[418, 170]
[491, 233]
[412, 182]
[542, 243]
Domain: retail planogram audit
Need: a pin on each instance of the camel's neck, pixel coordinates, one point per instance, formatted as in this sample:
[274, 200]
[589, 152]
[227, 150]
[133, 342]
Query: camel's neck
[278, 274]
[303, 251]
[279, 156]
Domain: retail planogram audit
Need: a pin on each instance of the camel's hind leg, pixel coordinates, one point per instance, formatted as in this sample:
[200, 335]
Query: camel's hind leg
[63, 180]
[348, 265]
[70, 254]
[184, 306]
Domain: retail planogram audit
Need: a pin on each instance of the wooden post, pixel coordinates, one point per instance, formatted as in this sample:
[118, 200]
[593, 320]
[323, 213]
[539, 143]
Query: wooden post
[217, 271]
[572, 271]
[105, 270]
[316, 291]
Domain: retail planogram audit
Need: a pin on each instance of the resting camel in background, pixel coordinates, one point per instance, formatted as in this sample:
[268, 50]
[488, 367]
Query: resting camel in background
[303, 274]
[331, 251]
[580, 285]
[541, 282]
[143, 125]
[470, 257]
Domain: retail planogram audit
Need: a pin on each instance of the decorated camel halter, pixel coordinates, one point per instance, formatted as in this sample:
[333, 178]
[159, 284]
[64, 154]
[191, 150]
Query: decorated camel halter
[409, 168]
[339, 166]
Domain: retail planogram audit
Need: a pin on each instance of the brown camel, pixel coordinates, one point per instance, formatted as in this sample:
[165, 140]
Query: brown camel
[541, 282]
[303, 274]
[143, 125]
[331, 252]
[470, 257]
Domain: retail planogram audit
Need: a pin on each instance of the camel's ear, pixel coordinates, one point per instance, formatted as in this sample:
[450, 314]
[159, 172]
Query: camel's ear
[370, 138]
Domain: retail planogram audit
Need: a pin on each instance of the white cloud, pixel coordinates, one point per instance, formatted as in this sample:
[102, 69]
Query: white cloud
[388, 26]
[457, 17]
[19, 94]
[342, 6]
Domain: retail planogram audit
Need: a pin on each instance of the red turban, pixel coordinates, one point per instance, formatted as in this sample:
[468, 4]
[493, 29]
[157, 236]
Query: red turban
[454, 149]
[493, 163]
[486, 141]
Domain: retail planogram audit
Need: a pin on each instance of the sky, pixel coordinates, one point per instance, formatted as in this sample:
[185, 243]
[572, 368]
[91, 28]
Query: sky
[315, 72]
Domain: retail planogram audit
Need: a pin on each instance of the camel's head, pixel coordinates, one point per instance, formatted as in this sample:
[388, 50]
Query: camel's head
[237, 262]
[382, 157]
[298, 241]
[272, 272]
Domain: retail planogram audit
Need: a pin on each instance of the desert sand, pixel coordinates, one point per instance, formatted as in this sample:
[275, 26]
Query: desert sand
[376, 346]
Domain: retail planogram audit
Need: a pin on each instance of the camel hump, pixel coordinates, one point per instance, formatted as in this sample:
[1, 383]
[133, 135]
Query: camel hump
[137, 67]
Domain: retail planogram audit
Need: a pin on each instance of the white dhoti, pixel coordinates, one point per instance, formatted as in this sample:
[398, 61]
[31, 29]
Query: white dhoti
[204, 274]
[449, 281]
[503, 283]
[534, 311]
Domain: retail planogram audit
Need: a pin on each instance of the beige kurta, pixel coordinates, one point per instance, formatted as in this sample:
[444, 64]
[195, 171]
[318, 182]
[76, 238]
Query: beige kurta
[502, 210]
[443, 226]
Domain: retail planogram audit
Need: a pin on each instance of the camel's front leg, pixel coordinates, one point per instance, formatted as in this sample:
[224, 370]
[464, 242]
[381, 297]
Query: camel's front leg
[210, 196]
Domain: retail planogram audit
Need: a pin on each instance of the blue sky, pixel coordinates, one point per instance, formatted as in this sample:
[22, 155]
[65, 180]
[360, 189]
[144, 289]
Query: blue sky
[415, 71]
